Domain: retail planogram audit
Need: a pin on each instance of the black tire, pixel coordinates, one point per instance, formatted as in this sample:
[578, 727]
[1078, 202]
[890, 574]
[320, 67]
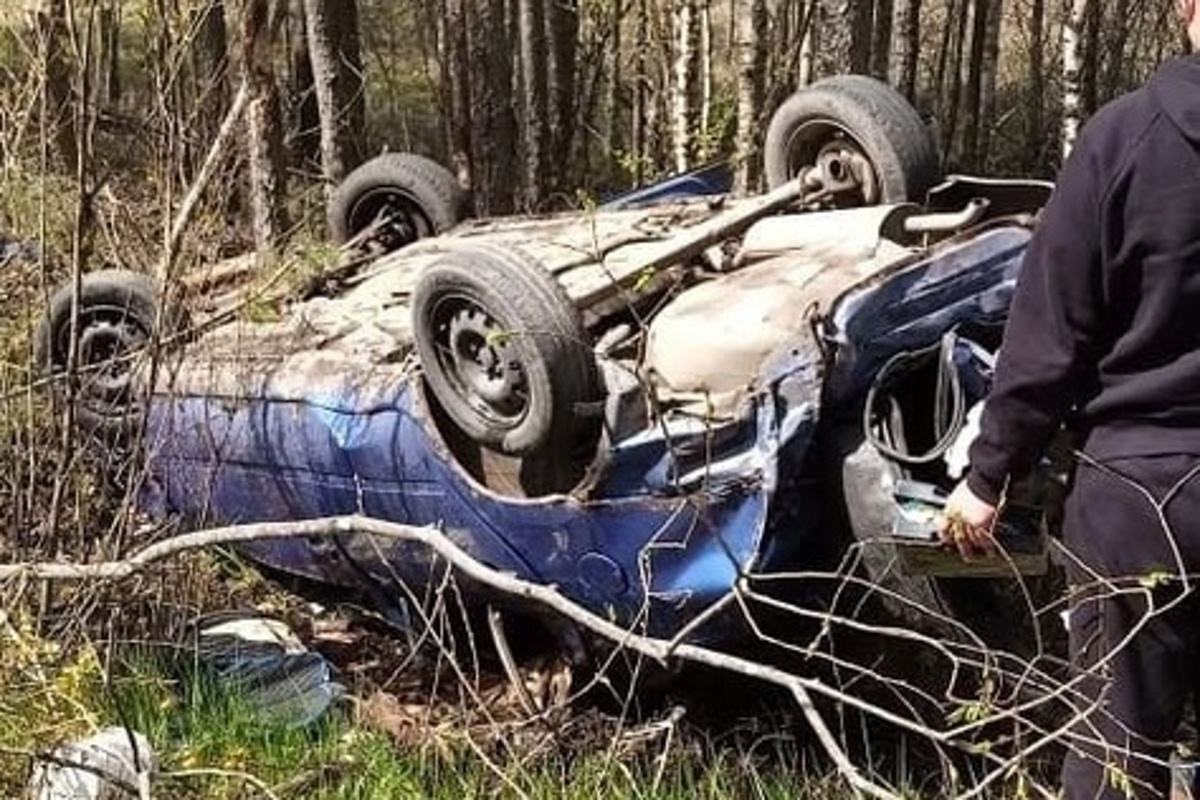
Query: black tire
[861, 115]
[410, 196]
[504, 352]
[118, 316]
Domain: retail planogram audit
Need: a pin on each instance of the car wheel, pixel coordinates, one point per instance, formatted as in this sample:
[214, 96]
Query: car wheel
[504, 352]
[393, 200]
[118, 316]
[850, 120]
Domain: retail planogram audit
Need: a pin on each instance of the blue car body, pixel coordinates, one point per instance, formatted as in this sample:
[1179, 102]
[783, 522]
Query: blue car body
[674, 514]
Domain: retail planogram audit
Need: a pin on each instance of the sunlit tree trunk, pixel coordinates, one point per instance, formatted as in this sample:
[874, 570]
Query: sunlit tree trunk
[752, 19]
[1071, 64]
[685, 98]
[705, 99]
[265, 129]
[641, 79]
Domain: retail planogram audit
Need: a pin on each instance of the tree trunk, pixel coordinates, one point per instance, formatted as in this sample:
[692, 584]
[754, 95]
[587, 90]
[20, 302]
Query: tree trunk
[639, 120]
[562, 30]
[881, 38]
[700, 152]
[304, 118]
[987, 80]
[1035, 134]
[456, 83]
[906, 44]
[751, 28]
[1089, 65]
[808, 55]
[974, 84]
[1072, 38]
[685, 82]
[950, 73]
[613, 138]
[108, 85]
[332, 36]
[493, 121]
[210, 60]
[347, 34]
[58, 96]
[534, 107]
[1115, 64]
[846, 31]
[265, 128]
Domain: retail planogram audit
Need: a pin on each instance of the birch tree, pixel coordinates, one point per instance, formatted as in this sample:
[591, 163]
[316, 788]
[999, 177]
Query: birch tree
[1071, 42]
[752, 19]
[685, 94]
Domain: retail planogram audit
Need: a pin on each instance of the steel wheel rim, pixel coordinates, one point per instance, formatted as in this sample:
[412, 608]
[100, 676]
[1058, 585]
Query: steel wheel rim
[480, 359]
[826, 143]
[107, 338]
[396, 214]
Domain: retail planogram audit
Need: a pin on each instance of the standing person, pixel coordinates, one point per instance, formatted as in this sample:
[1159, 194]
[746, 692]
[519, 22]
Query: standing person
[1104, 336]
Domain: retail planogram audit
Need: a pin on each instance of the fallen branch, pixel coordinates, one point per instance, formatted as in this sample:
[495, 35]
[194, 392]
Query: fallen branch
[658, 649]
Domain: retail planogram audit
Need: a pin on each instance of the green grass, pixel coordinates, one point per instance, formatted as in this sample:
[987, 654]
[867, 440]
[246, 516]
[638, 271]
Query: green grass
[212, 745]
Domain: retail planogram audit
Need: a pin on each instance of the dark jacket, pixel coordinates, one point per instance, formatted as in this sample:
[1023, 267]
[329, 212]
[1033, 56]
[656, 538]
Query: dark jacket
[1104, 329]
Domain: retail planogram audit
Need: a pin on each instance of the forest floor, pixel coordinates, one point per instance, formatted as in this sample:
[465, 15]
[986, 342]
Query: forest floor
[411, 724]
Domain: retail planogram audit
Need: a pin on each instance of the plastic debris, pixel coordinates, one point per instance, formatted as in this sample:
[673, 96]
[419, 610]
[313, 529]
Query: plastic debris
[269, 667]
[113, 764]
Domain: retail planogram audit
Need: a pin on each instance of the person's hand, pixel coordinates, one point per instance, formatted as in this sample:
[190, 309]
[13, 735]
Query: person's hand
[967, 522]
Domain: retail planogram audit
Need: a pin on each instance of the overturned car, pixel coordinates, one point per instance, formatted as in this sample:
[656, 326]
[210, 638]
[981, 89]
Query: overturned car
[640, 405]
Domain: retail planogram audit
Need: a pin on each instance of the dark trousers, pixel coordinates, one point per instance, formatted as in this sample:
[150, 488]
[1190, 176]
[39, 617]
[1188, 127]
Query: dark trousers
[1134, 631]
